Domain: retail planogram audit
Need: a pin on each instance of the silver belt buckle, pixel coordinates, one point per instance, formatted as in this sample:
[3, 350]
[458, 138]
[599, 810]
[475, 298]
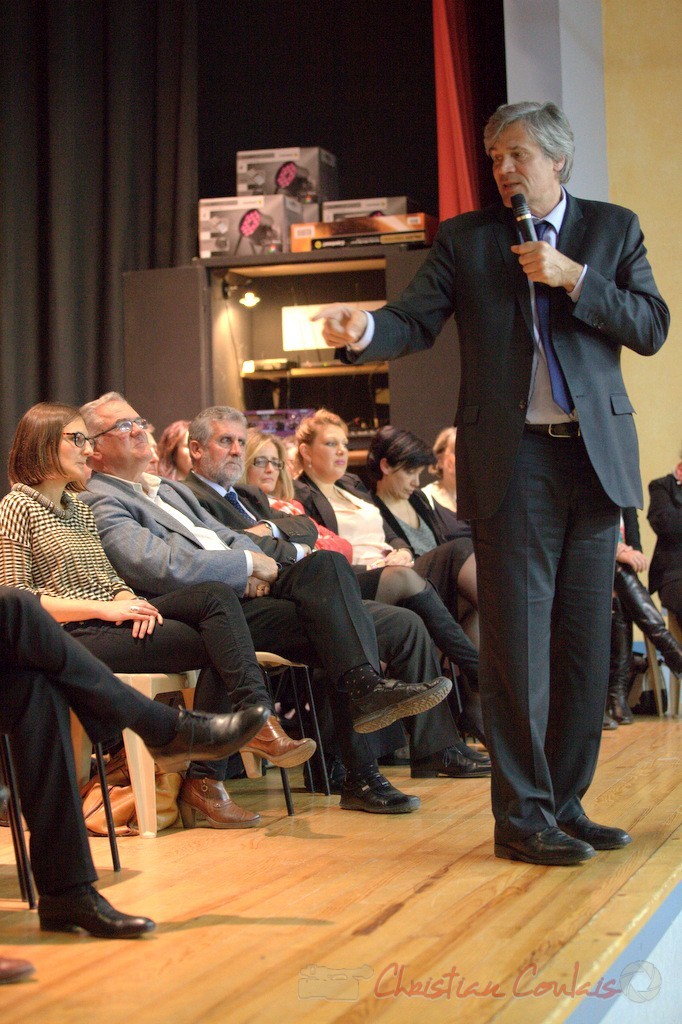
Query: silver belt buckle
[567, 434]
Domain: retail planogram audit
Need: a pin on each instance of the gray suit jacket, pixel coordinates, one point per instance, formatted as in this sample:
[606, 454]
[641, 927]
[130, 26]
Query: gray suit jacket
[154, 552]
[472, 274]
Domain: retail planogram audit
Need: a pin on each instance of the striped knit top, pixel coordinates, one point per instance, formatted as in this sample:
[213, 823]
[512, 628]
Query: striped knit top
[53, 550]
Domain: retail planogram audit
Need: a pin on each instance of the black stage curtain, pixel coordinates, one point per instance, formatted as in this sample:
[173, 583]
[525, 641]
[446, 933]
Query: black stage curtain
[98, 175]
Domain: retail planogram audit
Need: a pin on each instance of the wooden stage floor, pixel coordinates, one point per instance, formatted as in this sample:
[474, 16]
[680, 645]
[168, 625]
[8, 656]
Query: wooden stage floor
[342, 916]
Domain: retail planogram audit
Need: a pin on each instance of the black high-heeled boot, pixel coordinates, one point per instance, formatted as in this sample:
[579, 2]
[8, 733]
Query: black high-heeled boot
[620, 664]
[451, 639]
[639, 605]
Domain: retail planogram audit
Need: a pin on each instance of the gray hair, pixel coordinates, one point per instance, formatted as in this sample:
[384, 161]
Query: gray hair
[546, 124]
[90, 411]
[201, 427]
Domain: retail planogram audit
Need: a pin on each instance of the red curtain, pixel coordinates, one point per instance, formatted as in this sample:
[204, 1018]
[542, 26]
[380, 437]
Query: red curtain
[458, 184]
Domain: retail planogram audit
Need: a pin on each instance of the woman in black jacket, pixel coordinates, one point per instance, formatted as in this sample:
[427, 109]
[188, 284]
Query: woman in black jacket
[385, 564]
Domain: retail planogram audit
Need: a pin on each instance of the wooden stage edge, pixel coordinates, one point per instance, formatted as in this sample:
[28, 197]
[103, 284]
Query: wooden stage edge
[342, 916]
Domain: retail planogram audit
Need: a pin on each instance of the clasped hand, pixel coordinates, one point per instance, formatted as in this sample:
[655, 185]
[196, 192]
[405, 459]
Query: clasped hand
[544, 264]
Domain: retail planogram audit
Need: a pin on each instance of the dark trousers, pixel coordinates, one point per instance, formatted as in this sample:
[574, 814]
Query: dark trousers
[44, 673]
[315, 604]
[203, 627]
[314, 614]
[406, 649]
[545, 575]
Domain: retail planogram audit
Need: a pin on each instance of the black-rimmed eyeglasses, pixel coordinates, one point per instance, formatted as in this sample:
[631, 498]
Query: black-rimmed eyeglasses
[123, 427]
[78, 438]
[262, 462]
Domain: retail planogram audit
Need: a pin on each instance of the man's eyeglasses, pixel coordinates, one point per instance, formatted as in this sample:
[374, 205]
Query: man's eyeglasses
[78, 438]
[123, 427]
[261, 462]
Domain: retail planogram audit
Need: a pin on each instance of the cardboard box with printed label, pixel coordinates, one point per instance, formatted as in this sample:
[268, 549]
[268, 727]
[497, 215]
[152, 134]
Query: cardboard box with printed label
[341, 209]
[307, 174]
[246, 225]
[412, 228]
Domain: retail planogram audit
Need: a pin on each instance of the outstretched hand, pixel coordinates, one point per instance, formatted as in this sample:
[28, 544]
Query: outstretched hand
[343, 324]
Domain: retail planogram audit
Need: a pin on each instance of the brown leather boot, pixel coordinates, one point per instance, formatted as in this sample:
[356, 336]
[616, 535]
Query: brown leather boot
[209, 799]
[273, 744]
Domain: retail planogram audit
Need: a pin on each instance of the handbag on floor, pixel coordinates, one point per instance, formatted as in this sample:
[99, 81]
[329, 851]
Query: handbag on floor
[122, 801]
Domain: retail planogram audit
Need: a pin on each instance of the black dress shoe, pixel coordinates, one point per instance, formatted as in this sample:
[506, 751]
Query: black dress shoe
[90, 912]
[551, 847]
[600, 837]
[203, 737]
[370, 791]
[456, 762]
[384, 701]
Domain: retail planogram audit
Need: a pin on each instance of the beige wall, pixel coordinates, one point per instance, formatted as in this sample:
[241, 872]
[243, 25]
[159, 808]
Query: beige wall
[643, 86]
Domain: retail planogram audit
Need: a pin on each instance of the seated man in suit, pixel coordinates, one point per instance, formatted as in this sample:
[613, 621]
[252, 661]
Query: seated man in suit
[45, 672]
[216, 468]
[159, 537]
[212, 479]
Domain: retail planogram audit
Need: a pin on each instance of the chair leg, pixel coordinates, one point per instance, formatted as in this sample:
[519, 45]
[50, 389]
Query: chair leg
[18, 838]
[111, 829]
[655, 675]
[283, 772]
[316, 730]
[287, 792]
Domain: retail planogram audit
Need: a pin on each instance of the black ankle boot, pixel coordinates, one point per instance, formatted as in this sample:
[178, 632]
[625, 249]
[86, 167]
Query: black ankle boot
[445, 631]
[620, 664]
[639, 605]
[377, 702]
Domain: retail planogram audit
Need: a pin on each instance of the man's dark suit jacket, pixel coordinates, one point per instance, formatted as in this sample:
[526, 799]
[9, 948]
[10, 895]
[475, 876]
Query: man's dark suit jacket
[291, 529]
[472, 273]
[665, 516]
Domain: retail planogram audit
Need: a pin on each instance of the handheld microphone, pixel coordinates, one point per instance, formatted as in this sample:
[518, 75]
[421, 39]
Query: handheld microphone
[523, 217]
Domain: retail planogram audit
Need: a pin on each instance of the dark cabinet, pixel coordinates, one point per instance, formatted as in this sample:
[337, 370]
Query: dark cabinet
[187, 338]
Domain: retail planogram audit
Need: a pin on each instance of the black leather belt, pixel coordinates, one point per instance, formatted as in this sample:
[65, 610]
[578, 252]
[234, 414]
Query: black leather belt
[571, 429]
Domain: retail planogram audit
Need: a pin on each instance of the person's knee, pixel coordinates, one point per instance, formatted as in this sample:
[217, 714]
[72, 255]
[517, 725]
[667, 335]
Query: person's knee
[399, 583]
[215, 595]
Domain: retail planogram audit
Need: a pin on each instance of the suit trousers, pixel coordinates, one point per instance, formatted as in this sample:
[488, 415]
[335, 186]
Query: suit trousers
[45, 672]
[316, 604]
[545, 565]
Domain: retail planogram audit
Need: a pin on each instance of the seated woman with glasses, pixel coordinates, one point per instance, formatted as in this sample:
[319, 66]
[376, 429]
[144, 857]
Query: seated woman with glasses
[386, 567]
[49, 545]
[265, 466]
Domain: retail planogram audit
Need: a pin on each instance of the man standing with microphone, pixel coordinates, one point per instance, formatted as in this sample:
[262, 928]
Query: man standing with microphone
[546, 456]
